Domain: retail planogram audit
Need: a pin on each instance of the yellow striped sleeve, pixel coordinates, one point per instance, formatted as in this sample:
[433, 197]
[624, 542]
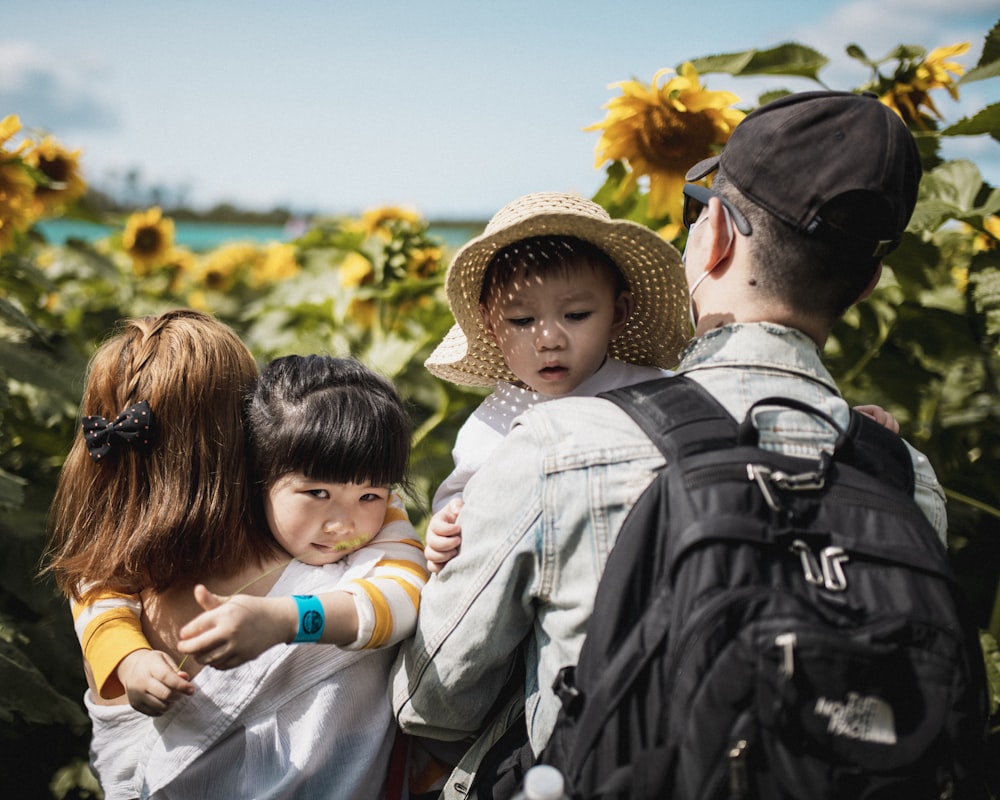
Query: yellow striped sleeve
[387, 596]
[383, 616]
[395, 510]
[109, 628]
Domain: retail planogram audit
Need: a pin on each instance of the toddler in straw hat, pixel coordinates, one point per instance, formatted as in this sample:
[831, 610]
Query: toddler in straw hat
[554, 299]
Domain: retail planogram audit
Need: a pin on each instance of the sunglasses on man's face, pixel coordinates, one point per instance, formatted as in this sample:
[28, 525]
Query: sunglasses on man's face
[696, 197]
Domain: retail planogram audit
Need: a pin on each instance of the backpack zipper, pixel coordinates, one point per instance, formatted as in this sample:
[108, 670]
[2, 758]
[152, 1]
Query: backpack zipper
[739, 783]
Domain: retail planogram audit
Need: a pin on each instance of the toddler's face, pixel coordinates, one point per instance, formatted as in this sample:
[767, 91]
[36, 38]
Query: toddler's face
[554, 329]
[319, 522]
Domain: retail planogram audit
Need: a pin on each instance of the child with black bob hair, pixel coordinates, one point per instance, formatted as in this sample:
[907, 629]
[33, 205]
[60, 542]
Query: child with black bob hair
[329, 441]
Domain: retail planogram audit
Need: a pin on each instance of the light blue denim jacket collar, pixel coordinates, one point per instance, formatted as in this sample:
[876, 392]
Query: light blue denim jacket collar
[743, 362]
[758, 345]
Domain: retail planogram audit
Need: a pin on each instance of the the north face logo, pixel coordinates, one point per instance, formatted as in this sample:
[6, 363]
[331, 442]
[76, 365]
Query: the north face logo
[867, 718]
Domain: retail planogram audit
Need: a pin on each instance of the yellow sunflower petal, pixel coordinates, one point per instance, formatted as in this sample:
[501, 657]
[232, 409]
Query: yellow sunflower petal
[660, 131]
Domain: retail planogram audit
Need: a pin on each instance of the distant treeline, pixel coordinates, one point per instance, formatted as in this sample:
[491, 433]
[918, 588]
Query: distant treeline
[97, 204]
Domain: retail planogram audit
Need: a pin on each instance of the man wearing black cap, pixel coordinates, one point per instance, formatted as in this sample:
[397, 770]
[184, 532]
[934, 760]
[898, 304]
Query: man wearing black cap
[808, 196]
[831, 179]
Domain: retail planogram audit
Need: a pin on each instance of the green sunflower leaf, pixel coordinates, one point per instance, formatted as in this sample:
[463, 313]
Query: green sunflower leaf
[986, 295]
[906, 52]
[785, 59]
[985, 121]
[991, 47]
[855, 52]
[29, 695]
[11, 490]
[989, 59]
[729, 63]
[989, 70]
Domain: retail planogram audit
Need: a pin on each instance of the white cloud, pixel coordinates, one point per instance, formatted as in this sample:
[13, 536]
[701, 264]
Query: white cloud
[62, 95]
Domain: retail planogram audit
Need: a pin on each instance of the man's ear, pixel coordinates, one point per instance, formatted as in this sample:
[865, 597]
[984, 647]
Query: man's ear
[872, 284]
[720, 230]
[624, 306]
[709, 242]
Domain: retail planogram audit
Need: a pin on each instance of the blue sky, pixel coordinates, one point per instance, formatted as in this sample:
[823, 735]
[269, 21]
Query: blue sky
[452, 107]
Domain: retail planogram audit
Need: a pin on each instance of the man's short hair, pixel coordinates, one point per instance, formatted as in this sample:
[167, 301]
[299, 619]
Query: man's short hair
[815, 275]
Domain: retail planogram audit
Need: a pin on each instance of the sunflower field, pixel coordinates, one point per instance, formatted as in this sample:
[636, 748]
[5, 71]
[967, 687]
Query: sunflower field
[926, 345]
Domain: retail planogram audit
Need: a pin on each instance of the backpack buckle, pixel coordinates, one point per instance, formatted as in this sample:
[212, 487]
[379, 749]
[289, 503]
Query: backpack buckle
[768, 480]
[565, 689]
[827, 570]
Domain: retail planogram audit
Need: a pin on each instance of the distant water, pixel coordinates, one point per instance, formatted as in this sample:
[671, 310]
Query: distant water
[202, 236]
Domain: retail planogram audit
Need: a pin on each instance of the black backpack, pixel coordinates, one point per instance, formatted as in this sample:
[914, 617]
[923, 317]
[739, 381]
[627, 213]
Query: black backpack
[770, 626]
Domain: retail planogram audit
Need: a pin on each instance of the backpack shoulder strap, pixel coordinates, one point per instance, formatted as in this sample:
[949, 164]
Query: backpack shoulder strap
[878, 451]
[682, 419]
[678, 415]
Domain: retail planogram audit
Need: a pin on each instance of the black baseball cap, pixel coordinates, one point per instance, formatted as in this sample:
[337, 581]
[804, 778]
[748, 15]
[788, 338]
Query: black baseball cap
[796, 154]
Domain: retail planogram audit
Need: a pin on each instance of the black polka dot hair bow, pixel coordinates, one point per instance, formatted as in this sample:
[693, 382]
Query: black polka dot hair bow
[133, 426]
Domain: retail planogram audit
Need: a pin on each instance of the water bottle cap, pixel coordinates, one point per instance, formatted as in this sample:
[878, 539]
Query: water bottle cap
[543, 782]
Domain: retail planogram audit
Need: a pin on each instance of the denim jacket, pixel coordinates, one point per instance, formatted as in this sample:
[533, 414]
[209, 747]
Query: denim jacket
[542, 515]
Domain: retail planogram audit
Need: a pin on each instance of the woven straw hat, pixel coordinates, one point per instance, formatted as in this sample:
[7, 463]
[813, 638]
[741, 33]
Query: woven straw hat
[656, 331]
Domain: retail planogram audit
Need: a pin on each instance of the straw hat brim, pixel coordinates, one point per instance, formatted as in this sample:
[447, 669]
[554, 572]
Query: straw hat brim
[656, 331]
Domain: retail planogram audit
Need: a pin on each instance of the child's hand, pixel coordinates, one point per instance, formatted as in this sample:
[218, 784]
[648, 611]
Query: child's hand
[152, 681]
[880, 415]
[234, 630]
[444, 536]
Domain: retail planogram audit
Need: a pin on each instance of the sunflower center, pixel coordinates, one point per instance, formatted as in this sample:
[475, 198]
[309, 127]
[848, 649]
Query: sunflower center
[669, 139]
[55, 169]
[147, 240]
[214, 279]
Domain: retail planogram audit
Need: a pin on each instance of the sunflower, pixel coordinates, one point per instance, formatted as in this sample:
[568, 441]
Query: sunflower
[960, 277]
[376, 220]
[179, 264]
[148, 238]
[908, 94]
[356, 270]
[662, 131]
[61, 169]
[16, 185]
[988, 238]
[361, 312]
[423, 262]
[197, 300]
[277, 263]
[223, 267]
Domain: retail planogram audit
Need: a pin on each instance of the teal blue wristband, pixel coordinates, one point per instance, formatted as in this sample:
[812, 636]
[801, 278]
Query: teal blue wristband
[311, 619]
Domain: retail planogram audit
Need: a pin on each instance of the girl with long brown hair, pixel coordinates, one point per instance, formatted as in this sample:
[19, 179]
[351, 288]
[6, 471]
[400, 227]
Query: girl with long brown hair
[154, 500]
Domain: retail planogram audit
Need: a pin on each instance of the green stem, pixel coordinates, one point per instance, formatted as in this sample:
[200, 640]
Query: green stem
[433, 420]
[986, 508]
[884, 329]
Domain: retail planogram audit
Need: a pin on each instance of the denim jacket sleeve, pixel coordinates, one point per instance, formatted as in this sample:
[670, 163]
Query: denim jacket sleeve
[539, 521]
[478, 610]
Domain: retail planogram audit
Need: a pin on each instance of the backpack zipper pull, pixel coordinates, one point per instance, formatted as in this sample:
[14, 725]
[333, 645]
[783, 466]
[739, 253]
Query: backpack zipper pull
[787, 641]
[810, 566]
[739, 786]
[762, 476]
